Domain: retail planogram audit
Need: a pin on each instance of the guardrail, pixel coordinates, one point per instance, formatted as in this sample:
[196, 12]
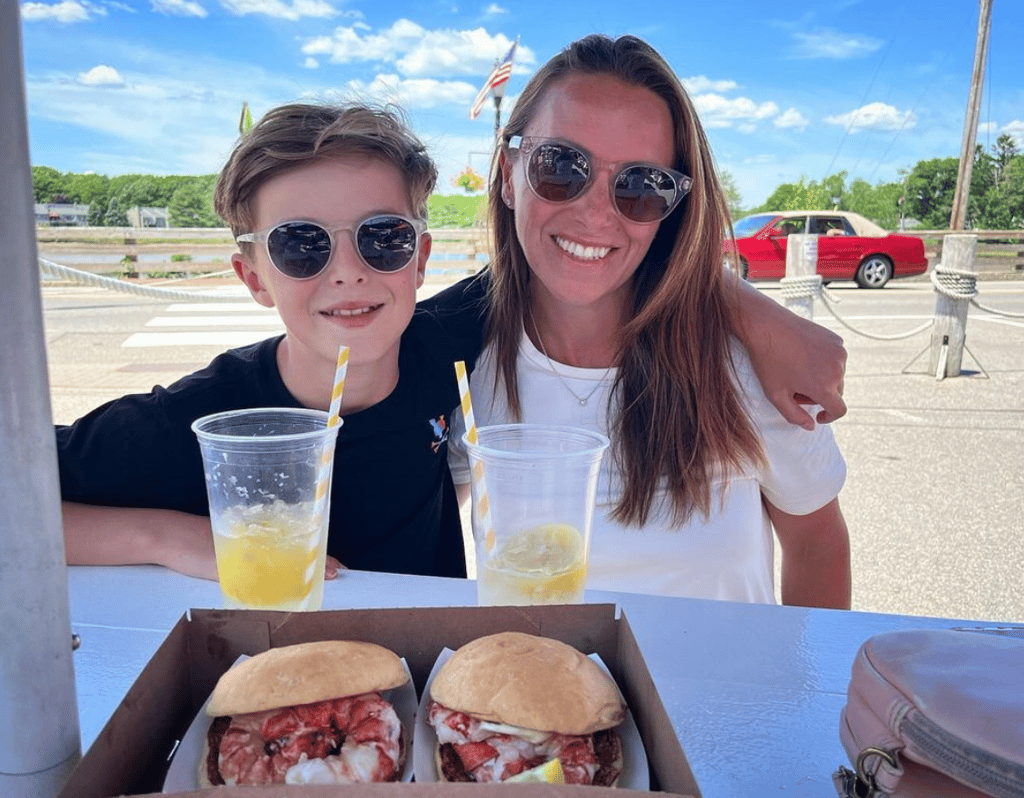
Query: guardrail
[997, 251]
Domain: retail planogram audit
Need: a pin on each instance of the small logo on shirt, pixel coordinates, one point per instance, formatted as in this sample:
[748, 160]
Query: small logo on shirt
[440, 427]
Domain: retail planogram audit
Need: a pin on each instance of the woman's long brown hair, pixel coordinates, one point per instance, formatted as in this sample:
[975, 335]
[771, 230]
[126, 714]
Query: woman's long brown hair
[677, 420]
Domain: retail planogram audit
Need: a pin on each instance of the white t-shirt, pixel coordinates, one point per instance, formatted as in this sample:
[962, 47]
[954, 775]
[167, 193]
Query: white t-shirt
[729, 555]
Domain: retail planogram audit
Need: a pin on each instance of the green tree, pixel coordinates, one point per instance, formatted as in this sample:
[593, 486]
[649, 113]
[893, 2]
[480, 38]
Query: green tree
[191, 205]
[806, 196]
[116, 214]
[732, 194]
[87, 189]
[879, 203]
[931, 186]
[1013, 195]
[46, 182]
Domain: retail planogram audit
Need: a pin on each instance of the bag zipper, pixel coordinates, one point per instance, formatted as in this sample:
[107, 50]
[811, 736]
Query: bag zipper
[960, 760]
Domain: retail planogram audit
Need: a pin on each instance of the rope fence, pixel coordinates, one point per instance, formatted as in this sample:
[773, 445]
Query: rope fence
[954, 283]
[56, 271]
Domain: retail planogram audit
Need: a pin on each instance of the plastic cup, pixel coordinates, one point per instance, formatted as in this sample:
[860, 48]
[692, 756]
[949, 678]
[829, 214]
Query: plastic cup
[269, 530]
[533, 492]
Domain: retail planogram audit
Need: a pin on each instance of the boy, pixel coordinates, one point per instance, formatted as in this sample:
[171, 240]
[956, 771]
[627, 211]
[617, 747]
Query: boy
[327, 205]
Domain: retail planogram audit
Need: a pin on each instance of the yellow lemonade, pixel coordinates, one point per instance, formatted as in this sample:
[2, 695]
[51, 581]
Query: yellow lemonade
[270, 557]
[546, 564]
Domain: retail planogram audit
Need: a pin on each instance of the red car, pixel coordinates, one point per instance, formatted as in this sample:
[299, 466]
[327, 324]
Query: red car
[849, 247]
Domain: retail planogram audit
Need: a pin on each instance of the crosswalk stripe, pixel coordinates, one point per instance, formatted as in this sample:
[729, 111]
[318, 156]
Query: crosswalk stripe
[220, 307]
[216, 321]
[221, 339]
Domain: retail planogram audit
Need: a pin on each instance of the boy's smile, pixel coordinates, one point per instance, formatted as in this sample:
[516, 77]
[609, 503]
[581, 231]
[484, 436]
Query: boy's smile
[348, 302]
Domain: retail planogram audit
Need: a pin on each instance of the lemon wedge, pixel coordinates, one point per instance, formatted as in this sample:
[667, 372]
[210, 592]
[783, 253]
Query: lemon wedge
[548, 549]
[548, 773]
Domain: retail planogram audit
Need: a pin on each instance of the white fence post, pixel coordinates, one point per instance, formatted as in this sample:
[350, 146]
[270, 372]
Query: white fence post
[799, 286]
[950, 328]
[39, 736]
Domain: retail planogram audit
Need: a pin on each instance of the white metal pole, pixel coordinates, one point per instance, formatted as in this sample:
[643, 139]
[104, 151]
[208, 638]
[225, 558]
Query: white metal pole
[39, 736]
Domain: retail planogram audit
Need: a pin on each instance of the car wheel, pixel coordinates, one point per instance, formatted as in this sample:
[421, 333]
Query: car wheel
[874, 272]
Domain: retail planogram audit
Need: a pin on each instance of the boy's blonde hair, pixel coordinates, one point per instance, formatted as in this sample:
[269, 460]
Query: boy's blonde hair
[297, 134]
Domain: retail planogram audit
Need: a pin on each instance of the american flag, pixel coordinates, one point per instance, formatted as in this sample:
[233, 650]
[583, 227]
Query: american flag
[498, 76]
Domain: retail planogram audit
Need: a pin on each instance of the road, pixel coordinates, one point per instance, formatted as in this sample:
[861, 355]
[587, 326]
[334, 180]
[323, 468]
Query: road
[935, 494]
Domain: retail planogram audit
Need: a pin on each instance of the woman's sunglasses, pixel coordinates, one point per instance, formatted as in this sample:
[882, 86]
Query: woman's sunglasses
[386, 243]
[558, 171]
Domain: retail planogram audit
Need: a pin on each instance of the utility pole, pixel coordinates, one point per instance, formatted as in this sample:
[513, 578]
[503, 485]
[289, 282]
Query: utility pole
[963, 180]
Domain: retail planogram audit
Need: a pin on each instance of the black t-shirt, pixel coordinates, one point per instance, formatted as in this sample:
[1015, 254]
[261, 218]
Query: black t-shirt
[393, 505]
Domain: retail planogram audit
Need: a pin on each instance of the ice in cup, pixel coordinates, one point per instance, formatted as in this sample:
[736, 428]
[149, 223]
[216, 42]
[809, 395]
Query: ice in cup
[533, 491]
[263, 467]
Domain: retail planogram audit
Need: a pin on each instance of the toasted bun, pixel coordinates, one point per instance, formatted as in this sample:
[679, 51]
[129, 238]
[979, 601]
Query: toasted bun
[528, 681]
[305, 673]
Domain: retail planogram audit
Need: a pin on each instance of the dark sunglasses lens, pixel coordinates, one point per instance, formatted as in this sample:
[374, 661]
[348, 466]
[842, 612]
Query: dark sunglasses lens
[645, 193]
[387, 243]
[299, 249]
[558, 173]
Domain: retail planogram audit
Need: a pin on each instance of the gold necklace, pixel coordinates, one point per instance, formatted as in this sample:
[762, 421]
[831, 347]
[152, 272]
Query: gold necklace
[582, 400]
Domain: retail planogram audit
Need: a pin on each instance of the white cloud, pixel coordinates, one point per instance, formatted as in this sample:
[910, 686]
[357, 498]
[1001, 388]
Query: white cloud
[418, 52]
[411, 93]
[1015, 129]
[310, 63]
[67, 11]
[699, 83]
[791, 118]
[827, 43]
[494, 10]
[179, 8]
[987, 127]
[279, 9]
[165, 125]
[874, 116]
[718, 111]
[101, 75]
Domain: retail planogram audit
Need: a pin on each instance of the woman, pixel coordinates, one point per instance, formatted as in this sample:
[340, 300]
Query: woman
[607, 307]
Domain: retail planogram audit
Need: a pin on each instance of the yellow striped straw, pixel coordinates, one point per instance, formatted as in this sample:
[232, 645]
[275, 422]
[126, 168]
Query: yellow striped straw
[483, 504]
[333, 417]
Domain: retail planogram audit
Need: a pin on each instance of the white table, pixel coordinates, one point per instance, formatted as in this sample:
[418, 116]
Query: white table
[754, 691]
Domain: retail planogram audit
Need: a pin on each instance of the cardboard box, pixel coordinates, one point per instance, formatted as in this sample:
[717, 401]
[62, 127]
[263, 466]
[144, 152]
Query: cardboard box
[131, 754]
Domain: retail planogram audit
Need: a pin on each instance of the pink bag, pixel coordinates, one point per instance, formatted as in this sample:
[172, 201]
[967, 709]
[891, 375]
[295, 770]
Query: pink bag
[936, 713]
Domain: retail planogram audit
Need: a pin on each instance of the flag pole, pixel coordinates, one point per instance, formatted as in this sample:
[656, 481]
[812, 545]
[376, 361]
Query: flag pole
[499, 94]
[495, 85]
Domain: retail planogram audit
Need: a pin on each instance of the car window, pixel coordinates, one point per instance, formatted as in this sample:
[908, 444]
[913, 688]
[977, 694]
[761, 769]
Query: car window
[830, 226]
[791, 225]
[749, 225]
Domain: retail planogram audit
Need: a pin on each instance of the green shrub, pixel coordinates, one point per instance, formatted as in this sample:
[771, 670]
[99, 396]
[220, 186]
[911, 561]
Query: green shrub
[456, 210]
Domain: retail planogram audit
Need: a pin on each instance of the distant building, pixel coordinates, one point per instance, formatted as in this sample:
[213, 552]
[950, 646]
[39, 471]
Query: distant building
[56, 214]
[148, 217]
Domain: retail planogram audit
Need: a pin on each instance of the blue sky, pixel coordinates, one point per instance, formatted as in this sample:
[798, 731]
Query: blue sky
[785, 90]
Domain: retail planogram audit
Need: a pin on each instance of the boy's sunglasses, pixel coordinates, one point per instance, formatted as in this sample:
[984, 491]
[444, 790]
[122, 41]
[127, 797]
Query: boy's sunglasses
[558, 171]
[386, 243]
